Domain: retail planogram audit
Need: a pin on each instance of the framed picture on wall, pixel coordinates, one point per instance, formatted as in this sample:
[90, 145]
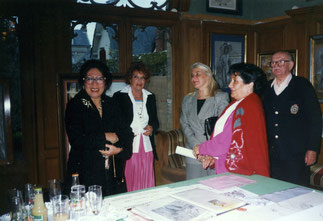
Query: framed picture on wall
[264, 59]
[225, 51]
[69, 87]
[233, 7]
[6, 142]
[316, 65]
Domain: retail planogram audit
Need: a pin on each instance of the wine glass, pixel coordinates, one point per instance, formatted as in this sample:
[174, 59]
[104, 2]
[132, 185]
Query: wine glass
[95, 198]
[54, 188]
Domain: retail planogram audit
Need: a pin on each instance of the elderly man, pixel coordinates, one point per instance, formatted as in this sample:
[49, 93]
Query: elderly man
[294, 122]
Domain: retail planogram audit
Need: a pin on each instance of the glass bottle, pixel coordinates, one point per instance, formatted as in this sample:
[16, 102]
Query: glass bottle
[39, 211]
[75, 179]
[29, 200]
[16, 209]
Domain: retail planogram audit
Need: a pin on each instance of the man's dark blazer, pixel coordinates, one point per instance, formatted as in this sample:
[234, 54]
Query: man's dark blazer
[126, 107]
[294, 119]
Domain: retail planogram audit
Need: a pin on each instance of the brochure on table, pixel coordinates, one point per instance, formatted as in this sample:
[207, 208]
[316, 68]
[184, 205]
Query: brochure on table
[202, 202]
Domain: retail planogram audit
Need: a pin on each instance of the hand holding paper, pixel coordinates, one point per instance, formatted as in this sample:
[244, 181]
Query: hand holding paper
[187, 152]
[184, 152]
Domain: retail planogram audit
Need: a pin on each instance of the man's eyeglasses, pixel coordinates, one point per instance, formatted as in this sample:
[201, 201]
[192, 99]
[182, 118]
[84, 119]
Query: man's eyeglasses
[90, 80]
[278, 63]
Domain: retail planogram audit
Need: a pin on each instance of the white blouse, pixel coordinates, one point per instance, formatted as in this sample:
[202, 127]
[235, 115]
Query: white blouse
[140, 120]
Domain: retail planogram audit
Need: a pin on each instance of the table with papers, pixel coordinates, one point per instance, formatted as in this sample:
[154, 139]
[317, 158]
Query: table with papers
[222, 197]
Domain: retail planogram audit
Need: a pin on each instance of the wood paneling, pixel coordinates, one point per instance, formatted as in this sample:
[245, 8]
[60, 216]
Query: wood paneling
[44, 54]
[51, 164]
[270, 39]
[27, 50]
[294, 39]
[190, 49]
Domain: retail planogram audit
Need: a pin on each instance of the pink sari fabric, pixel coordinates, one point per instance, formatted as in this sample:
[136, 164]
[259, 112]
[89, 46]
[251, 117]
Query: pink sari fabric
[218, 146]
[139, 171]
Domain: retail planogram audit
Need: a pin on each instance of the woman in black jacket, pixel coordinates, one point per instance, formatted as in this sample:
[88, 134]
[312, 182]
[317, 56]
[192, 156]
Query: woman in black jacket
[99, 138]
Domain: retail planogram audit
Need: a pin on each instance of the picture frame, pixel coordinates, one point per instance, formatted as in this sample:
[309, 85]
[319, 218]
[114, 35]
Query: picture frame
[6, 138]
[264, 59]
[69, 87]
[316, 65]
[226, 50]
[233, 7]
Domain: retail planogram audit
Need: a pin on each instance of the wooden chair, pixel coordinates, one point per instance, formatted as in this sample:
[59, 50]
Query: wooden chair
[170, 167]
[316, 180]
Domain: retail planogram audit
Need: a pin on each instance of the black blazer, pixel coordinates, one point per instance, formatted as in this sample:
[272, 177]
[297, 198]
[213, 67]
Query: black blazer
[125, 104]
[294, 119]
[86, 133]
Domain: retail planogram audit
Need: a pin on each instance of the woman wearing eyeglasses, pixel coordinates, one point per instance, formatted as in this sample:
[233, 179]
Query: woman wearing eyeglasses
[99, 138]
[139, 110]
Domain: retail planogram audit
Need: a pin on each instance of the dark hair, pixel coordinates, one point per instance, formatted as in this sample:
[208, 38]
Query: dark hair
[250, 73]
[137, 66]
[102, 67]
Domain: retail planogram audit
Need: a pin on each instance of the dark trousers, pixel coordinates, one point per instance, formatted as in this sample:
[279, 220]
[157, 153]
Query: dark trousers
[293, 171]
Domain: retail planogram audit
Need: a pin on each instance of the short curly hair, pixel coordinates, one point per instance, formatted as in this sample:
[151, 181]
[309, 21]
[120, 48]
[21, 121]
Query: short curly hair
[137, 66]
[102, 67]
[250, 73]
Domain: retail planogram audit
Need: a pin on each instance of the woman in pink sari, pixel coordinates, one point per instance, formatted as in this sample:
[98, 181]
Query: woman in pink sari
[238, 143]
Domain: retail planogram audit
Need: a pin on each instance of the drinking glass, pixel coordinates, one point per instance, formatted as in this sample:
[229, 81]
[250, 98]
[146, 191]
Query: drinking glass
[95, 198]
[54, 188]
[78, 202]
[60, 205]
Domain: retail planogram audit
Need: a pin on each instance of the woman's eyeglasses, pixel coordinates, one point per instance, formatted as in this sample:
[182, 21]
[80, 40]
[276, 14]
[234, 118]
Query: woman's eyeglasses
[278, 63]
[90, 80]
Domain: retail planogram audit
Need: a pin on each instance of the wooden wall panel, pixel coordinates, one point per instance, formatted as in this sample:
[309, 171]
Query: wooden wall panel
[52, 164]
[295, 39]
[190, 46]
[27, 50]
[270, 39]
[52, 56]
[46, 97]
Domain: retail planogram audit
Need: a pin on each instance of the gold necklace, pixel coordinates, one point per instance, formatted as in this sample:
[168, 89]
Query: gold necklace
[100, 109]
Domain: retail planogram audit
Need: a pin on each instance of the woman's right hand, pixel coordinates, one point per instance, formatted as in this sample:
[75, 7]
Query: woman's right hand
[112, 137]
[111, 150]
